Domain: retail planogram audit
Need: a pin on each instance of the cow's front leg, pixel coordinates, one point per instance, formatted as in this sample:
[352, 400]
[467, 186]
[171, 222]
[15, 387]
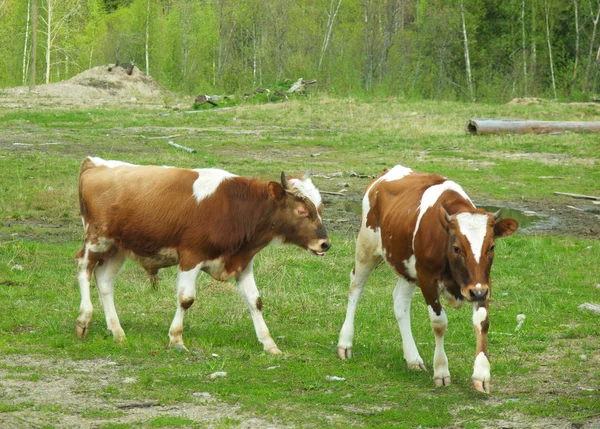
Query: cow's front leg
[481, 369]
[439, 325]
[249, 291]
[186, 293]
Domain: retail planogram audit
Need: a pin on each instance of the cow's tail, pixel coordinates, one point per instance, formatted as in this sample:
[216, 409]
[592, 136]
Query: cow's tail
[85, 165]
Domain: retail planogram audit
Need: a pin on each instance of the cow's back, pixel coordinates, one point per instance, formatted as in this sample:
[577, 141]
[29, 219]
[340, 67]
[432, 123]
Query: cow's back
[143, 207]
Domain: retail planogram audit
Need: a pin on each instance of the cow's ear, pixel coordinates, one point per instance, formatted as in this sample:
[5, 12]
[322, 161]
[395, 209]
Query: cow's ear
[505, 227]
[276, 191]
[445, 218]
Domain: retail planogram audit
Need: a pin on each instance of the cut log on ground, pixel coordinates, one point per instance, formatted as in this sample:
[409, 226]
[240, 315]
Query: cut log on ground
[201, 99]
[300, 86]
[508, 126]
[178, 146]
[581, 197]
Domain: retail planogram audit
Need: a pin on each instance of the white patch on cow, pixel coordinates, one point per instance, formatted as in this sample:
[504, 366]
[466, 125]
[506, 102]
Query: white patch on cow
[308, 189]
[481, 369]
[430, 197]
[99, 162]
[474, 227]
[479, 315]
[410, 265]
[208, 181]
[396, 173]
[277, 241]
[103, 245]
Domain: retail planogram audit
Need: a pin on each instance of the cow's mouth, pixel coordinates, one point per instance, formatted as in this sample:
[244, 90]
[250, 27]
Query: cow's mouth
[317, 253]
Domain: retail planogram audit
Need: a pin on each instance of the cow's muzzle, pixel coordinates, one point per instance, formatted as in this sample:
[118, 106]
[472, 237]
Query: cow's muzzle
[476, 292]
[320, 247]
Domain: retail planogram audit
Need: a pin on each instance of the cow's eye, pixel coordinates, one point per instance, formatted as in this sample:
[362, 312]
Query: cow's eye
[456, 250]
[492, 248]
[302, 211]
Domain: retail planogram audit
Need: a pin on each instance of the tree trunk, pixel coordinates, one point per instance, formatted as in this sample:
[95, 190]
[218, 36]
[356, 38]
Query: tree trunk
[524, 48]
[48, 39]
[547, 4]
[331, 14]
[466, 45]
[576, 39]
[25, 62]
[33, 52]
[592, 41]
[147, 37]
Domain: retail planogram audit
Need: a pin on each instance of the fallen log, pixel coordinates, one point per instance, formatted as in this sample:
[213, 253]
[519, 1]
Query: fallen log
[581, 197]
[178, 146]
[509, 126]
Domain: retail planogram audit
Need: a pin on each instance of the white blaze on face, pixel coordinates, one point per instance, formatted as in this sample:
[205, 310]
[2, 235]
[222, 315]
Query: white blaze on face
[474, 227]
[308, 189]
[110, 164]
[430, 197]
[396, 173]
[208, 181]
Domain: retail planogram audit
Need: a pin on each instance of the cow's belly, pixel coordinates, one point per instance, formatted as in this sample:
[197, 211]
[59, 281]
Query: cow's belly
[165, 257]
[217, 270]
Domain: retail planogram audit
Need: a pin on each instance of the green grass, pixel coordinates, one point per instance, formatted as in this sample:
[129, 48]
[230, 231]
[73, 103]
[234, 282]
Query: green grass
[549, 368]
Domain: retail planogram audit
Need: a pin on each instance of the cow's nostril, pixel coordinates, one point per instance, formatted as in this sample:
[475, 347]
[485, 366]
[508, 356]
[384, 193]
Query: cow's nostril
[325, 246]
[478, 294]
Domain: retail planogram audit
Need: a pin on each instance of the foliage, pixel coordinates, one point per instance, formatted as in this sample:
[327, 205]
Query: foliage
[408, 48]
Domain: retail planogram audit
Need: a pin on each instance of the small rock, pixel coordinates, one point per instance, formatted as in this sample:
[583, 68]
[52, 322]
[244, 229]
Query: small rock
[272, 367]
[583, 357]
[202, 394]
[314, 155]
[129, 380]
[218, 374]
[215, 355]
[337, 174]
[17, 267]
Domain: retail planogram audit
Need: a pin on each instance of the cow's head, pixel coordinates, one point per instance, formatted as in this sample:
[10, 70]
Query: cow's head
[299, 213]
[470, 251]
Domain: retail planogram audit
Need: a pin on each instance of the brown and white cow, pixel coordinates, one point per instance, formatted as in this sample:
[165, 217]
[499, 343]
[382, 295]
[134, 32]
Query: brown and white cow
[201, 220]
[432, 236]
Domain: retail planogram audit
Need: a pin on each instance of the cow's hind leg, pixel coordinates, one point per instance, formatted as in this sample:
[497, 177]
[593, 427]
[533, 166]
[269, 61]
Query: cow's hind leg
[106, 273]
[247, 287]
[367, 258]
[86, 263]
[403, 294]
[186, 294]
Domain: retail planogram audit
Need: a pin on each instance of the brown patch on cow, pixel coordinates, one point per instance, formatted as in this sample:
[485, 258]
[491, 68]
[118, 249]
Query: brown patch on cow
[485, 325]
[186, 303]
[259, 304]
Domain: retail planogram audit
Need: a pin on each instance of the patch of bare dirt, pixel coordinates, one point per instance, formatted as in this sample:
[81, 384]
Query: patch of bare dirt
[99, 86]
[69, 393]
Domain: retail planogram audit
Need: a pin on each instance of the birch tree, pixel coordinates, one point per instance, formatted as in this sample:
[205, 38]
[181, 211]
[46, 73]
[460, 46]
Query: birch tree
[33, 56]
[466, 49]
[547, 9]
[147, 37]
[524, 47]
[595, 17]
[331, 14]
[25, 62]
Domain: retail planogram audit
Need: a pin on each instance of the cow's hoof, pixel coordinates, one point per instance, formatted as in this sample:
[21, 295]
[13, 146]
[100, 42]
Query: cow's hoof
[344, 353]
[482, 386]
[82, 330]
[417, 366]
[179, 347]
[274, 350]
[442, 381]
[119, 337]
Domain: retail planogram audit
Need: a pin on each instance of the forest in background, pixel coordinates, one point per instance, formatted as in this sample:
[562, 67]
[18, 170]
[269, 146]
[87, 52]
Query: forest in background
[484, 50]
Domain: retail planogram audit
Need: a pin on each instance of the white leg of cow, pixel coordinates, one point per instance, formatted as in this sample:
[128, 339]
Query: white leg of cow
[367, 259]
[249, 291]
[85, 269]
[439, 324]
[481, 368]
[186, 294]
[403, 294]
[105, 279]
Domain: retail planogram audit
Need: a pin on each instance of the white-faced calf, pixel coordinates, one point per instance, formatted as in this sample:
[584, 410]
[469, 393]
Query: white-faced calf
[201, 220]
[432, 236]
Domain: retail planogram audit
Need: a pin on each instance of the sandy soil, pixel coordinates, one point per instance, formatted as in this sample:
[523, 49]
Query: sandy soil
[99, 86]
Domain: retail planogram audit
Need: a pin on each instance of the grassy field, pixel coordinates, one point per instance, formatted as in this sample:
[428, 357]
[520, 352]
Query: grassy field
[547, 374]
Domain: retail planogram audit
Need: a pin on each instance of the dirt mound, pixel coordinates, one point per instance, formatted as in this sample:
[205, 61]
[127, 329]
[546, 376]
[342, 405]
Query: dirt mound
[96, 86]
